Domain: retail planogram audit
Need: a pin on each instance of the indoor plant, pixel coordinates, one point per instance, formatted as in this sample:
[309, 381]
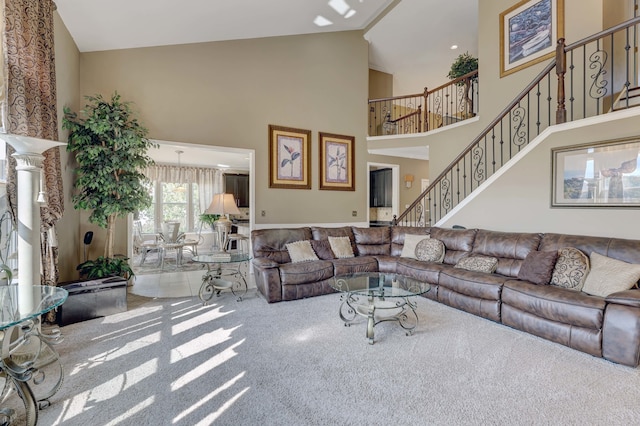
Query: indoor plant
[110, 147]
[464, 64]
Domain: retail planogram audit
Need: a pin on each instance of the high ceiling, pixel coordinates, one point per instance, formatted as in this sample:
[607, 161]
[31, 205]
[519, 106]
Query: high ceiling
[410, 39]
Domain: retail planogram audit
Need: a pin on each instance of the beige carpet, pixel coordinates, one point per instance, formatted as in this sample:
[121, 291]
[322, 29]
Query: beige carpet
[175, 362]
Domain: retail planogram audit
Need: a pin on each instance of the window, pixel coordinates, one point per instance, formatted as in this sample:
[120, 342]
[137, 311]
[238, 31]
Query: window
[174, 202]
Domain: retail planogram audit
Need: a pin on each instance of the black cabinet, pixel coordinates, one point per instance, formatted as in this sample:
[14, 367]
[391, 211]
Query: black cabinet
[238, 185]
[380, 188]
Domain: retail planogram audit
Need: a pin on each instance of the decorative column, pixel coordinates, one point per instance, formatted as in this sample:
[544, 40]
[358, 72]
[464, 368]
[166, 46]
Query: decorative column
[29, 158]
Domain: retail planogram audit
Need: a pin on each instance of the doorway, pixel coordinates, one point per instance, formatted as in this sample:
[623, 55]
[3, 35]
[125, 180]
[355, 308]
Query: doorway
[395, 193]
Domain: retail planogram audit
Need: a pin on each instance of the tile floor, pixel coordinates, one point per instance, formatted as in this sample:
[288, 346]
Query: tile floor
[173, 284]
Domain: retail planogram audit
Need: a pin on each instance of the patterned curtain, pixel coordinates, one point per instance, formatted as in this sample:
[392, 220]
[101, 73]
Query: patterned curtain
[31, 100]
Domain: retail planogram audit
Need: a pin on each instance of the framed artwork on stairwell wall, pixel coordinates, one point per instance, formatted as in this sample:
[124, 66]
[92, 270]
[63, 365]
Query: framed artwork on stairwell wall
[337, 162]
[289, 158]
[529, 31]
[604, 174]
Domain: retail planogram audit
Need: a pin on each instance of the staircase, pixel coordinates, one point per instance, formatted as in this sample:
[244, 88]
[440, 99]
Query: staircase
[580, 82]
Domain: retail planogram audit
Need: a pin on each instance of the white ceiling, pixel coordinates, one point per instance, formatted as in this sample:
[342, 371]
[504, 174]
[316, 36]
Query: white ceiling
[410, 39]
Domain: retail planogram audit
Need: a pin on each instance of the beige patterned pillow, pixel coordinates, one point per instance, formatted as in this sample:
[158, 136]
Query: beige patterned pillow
[478, 264]
[341, 247]
[609, 275]
[301, 251]
[410, 243]
[431, 250]
[571, 270]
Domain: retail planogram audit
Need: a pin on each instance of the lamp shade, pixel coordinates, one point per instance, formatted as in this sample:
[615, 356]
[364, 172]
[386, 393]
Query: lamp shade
[223, 204]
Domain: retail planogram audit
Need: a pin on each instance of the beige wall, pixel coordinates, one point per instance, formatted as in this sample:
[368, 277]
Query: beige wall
[227, 93]
[520, 199]
[380, 84]
[68, 91]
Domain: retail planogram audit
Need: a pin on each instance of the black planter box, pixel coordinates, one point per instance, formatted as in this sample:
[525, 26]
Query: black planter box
[92, 299]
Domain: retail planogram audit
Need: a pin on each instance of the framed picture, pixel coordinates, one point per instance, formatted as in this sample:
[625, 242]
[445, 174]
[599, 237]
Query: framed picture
[528, 33]
[606, 174]
[289, 158]
[337, 162]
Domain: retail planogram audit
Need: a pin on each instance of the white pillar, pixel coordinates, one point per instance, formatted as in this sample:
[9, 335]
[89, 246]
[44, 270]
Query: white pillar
[28, 168]
[29, 158]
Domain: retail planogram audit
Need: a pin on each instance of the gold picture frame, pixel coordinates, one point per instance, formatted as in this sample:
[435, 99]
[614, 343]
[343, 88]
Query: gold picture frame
[289, 157]
[529, 31]
[337, 162]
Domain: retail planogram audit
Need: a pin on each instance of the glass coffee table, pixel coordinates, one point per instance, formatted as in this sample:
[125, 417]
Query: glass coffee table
[221, 266]
[379, 297]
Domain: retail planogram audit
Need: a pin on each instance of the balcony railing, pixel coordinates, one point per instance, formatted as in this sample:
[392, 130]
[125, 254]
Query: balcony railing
[588, 78]
[421, 112]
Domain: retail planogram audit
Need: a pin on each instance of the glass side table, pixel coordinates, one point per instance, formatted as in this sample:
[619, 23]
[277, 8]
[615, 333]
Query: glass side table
[221, 265]
[29, 365]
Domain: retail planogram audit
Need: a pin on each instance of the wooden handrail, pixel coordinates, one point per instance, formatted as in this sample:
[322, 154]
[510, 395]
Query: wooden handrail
[416, 112]
[456, 81]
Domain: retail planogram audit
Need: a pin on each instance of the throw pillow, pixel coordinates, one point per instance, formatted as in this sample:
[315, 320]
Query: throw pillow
[609, 275]
[571, 270]
[431, 250]
[301, 251]
[341, 247]
[410, 243]
[538, 266]
[322, 249]
[478, 264]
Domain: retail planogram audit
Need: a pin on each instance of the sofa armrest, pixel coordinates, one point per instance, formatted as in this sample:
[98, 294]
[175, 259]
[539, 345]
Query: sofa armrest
[626, 297]
[263, 262]
[267, 276]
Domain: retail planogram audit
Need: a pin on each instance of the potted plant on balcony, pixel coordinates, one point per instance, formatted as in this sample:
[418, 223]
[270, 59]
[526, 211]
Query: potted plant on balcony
[464, 64]
[110, 148]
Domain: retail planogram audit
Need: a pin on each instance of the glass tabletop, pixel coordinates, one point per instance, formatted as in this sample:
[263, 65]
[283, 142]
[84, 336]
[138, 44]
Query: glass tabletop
[222, 257]
[379, 284]
[20, 303]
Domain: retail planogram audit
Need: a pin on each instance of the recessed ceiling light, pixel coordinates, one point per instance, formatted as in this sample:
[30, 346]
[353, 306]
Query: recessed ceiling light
[350, 13]
[223, 166]
[454, 46]
[321, 21]
[339, 6]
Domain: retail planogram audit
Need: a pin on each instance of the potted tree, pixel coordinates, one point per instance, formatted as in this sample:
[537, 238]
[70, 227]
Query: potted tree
[110, 147]
[464, 64]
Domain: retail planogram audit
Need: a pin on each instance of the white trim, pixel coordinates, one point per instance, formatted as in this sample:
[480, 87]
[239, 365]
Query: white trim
[423, 134]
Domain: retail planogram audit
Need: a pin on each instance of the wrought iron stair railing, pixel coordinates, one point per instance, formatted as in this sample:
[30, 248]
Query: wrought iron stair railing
[446, 104]
[587, 75]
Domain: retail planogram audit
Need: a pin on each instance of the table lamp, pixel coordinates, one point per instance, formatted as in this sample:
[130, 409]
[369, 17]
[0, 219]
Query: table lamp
[223, 204]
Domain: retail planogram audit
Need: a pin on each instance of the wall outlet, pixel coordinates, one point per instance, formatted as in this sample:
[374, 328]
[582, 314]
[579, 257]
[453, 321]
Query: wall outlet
[263, 213]
[354, 213]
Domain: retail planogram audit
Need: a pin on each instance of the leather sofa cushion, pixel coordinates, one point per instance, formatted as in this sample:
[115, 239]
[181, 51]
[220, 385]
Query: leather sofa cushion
[398, 233]
[555, 303]
[373, 241]
[509, 247]
[428, 272]
[617, 248]
[271, 243]
[322, 233]
[458, 242]
[470, 283]
[305, 272]
[322, 249]
[352, 265]
[388, 263]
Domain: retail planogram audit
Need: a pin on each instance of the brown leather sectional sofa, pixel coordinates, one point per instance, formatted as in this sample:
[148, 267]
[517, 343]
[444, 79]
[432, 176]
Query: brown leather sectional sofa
[603, 327]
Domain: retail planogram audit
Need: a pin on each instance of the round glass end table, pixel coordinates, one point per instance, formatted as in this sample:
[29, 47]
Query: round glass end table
[29, 365]
[220, 267]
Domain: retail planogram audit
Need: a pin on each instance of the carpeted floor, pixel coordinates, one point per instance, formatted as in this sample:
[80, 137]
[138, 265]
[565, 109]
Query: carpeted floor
[176, 362]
